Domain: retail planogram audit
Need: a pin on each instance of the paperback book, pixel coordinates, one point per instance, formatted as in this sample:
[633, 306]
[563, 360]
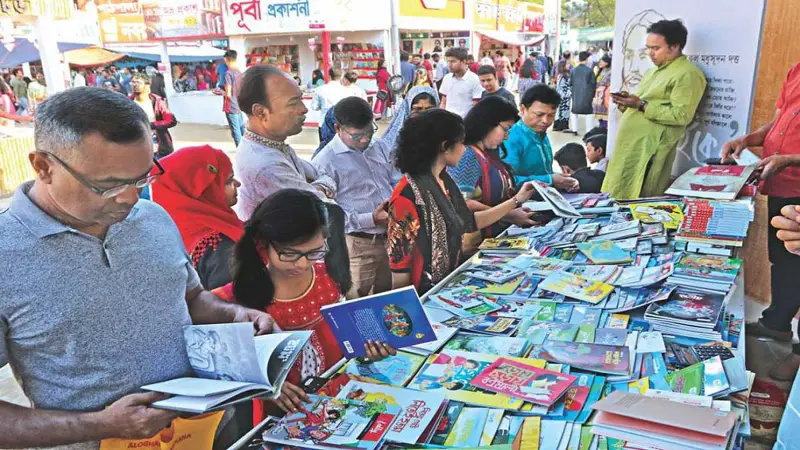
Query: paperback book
[560, 206]
[577, 287]
[463, 302]
[394, 370]
[495, 325]
[604, 252]
[666, 213]
[610, 359]
[716, 182]
[490, 345]
[519, 380]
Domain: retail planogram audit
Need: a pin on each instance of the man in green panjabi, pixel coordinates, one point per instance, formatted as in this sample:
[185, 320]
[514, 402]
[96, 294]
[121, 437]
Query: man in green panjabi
[656, 117]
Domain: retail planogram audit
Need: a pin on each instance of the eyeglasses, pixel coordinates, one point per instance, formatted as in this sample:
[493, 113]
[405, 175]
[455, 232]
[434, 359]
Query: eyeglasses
[505, 130]
[360, 136]
[312, 256]
[116, 190]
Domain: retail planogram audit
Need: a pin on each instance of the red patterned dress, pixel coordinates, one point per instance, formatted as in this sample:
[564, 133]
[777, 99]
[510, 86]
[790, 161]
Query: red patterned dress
[303, 313]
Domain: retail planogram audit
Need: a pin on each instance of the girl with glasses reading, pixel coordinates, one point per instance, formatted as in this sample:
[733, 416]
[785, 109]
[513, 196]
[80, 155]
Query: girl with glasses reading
[279, 267]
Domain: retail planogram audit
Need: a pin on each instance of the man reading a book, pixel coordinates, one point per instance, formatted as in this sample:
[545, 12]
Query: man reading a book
[93, 306]
[780, 170]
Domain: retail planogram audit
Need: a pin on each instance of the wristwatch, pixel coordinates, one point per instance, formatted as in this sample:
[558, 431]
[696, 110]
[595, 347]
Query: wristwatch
[642, 105]
[517, 203]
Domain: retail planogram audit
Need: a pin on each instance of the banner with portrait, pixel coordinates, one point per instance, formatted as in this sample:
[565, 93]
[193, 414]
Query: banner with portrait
[724, 39]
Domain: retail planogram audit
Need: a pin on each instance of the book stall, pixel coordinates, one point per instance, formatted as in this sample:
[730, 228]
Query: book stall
[610, 325]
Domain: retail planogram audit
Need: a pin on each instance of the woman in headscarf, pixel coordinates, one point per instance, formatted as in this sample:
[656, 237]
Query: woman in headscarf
[564, 89]
[428, 216]
[602, 93]
[198, 190]
[417, 100]
[420, 79]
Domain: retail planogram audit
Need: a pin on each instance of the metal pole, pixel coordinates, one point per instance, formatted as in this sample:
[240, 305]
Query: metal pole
[395, 34]
[557, 44]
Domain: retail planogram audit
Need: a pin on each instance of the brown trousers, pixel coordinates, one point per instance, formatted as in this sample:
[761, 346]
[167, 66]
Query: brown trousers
[369, 266]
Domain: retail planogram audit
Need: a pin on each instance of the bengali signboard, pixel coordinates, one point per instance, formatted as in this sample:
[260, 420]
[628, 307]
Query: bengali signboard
[484, 15]
[130, 21]
[724, 46]
[54, 9]
[534, 19]
[511, 14]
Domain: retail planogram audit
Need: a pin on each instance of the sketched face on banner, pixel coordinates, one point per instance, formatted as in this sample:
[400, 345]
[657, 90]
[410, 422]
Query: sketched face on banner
[635, 60]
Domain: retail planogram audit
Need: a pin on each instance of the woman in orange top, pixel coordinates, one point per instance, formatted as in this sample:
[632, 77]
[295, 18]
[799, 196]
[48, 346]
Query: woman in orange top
[279, 267]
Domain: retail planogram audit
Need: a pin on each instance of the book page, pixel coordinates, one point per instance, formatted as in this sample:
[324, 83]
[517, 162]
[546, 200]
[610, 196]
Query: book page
[276, 354]
[223, 352]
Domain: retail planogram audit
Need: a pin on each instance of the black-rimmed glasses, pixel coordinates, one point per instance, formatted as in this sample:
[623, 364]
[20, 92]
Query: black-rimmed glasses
[360, 136]
[312, 256]
[116, 190]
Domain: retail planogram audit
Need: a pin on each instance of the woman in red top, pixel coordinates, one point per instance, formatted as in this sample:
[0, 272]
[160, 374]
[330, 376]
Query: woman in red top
[279, 268]
[384, 98]
[428, 216]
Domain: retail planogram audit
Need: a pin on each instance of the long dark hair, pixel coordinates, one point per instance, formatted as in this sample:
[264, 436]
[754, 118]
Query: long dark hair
[289, 216]
[483, 118]
[316, 75]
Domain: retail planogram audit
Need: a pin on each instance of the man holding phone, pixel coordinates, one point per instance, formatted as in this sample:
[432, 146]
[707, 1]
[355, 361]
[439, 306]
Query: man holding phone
[656, 117]
[780, 170]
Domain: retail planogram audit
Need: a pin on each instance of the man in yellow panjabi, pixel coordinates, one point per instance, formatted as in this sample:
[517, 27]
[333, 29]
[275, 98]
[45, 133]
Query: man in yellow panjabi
[656, 117]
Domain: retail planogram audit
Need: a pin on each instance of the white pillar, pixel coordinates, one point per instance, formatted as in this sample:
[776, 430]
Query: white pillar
[26, 70]
[46, 39]
[167, 68]
[394, 57]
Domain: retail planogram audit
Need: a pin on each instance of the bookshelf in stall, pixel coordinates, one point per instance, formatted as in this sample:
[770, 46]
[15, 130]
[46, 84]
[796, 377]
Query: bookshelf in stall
[284, 57]
[360, 57]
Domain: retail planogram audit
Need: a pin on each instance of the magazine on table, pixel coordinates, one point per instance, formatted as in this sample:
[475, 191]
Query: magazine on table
[232, 365]
[561, 207]
[716, 182]
[396, 318]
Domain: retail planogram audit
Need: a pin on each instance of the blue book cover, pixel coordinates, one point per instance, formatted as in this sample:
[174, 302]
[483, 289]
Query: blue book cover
[563, 313]
[395, 318]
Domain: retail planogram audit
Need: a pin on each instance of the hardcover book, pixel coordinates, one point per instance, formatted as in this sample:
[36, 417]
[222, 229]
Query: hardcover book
[716, 182]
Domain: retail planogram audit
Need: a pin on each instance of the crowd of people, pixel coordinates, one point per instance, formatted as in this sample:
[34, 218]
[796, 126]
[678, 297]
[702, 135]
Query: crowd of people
[270, 238]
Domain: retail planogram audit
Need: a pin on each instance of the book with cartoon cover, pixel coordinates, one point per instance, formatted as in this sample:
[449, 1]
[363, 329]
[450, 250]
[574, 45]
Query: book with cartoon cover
[688, 380]
[526, 288]
[418, 409]
[491, 345]
[610, 359]
[666, 213]
[394, 370]
[539, 266]
[577, 287]
[514, 244]
[689, 308]
[496, 325]
[450, 372]
[396, 318]
[708, 266]
[493, 273]
[463, 302]
[604, 252]
[325, 423]
[519, 380]
[504, 288]
[520, 310]
[715, 182]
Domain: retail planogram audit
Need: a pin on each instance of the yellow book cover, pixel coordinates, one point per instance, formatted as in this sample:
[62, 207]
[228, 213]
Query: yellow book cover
[505, 244]
[531, 431]
[641, 385]
[670, 214]
[575, 286]
[506, 288]
[451, 371]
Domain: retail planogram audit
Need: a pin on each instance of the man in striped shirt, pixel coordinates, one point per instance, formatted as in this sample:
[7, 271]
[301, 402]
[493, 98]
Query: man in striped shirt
[365, 175]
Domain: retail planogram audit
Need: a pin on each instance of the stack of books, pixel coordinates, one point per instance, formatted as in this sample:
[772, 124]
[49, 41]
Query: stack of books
[689, 314]
[706, 273]
[708, 224]
[714, 182]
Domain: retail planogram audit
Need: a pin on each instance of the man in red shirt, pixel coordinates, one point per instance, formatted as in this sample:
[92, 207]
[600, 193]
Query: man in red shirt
[780, 170]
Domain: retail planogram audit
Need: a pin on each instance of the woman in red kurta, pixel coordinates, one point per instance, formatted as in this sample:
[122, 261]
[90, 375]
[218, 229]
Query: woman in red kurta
[279, 268]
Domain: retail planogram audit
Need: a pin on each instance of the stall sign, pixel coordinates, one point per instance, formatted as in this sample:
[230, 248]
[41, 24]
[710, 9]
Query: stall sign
[121, 21]
[175, 19]
[413, 35]
[534, 19]
[439, 9]
[54, 9]
[484, 15]
[511, 14]
[282, 16]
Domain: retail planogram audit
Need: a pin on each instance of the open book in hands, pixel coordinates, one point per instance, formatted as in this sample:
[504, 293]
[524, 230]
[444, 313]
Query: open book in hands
[232, 366]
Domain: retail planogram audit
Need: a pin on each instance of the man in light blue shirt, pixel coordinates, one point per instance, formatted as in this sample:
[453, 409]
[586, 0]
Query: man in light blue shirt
[364, 174]
[528, 148]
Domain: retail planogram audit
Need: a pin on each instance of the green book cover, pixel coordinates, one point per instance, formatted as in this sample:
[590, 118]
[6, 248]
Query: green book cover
[688, 380]
[548, 311]
[585, 334]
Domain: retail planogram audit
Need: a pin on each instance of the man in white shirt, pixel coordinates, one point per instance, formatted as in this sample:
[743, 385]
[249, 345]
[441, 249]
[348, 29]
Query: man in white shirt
[327, 96]
[439, 70]
[460, 88]
[80, 79]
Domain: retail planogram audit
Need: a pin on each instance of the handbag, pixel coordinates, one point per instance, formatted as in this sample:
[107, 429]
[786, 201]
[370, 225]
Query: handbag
[382, 95]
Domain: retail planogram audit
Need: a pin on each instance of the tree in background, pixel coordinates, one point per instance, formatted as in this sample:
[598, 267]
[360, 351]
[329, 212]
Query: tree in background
[588, 13]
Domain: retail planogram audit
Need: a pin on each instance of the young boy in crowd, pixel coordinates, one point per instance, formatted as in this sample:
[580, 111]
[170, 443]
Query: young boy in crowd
[572, 159]
[596, 150]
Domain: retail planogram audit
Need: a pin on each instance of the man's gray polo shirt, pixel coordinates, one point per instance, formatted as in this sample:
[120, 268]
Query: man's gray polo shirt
[84, 322]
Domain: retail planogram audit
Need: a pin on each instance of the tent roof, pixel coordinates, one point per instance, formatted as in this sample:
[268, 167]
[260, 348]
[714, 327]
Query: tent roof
[514, 38]
[177, 53]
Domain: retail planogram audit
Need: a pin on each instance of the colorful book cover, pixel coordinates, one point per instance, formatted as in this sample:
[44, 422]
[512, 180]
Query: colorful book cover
[708, 266]
[604, 273]
[520, 310]
[463, 302]
[669, 214]
[595, 393]
[576, 396]
[395, 370]
[396, 318]
[609, 359]
[715, 182]
[463, 280]
[585, 334]
[641, 385]
[418, 409]
[519, 380]
[451, 372]
[564, 332]
[563, 313]
[714, 378]
[509, 428]
[604, 252]
[610, 336]
[639, 325]
[336, 423]
[688, 380]
[505, 288]
[468, 428]
[526, 288]
[688, 307]
[492, 345]
[591, 316]
[446, 423]
[548, 311]
[531, 433]
[618, 321]
[519, 243]
[493, 420]
[496, 325]
[493, 274]
[537, 331]
[576, 287]
[539, 266]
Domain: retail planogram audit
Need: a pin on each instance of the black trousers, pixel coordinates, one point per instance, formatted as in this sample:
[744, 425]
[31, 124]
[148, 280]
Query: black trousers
[785, 271]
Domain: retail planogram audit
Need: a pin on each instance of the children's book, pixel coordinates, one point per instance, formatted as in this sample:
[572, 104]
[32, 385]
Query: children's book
[564, 332]
[539, 266]
[576, 287]
[232, 366]
[515, 244]
[708, 266]
[493, 421]
[519, 380]
[688, 380]
[505, 288]
[492, 345]
[520, 310]
[443, 334]
[446, 423]
[495, 325]
[494, 274]
[604, 252]
[618, 321]
[609, 359]
[585, 334]
[576, 396]
[598, 272]
[689, 308]
[716, 182]
[468, 428]
[463, 302]
[395, 370]
[669, 214]
[538, 331]
[610, 336]
[650, 342]
[525, 290]
[464, 280]
[396, 318]
[563, 313]
[548, 311]
[451, 372]
[653, 275]
[715, 380]
[418, 409]
[326, 423]
[561, 207]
